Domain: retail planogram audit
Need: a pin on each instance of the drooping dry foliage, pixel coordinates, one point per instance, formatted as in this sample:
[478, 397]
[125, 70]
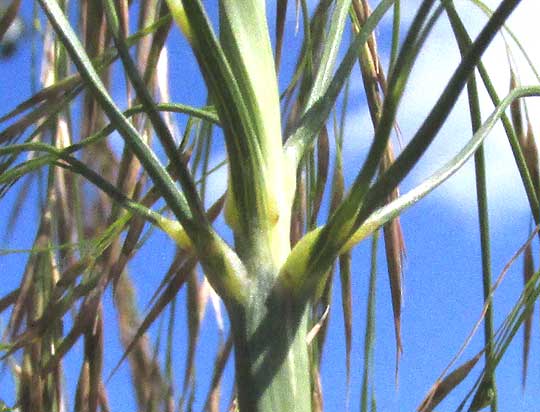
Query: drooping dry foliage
[293, 220]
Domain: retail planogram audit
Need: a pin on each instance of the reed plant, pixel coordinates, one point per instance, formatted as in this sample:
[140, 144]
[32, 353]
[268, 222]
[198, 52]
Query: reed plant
[273, 266]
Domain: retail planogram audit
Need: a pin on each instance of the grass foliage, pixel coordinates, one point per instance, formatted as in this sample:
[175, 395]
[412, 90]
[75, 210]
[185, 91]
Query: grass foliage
[284, 161]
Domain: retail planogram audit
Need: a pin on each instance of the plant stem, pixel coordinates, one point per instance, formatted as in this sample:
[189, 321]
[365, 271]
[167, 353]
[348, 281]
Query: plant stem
[271, 356]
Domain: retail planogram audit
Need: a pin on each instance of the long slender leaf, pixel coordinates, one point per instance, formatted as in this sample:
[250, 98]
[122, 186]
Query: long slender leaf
[386, 213]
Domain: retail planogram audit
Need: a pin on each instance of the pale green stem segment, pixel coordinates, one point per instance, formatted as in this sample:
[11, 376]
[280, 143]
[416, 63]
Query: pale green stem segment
[246, 44]
[271, 351]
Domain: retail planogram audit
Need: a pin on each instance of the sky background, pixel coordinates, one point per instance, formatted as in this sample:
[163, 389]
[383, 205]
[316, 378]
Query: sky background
[443, 286]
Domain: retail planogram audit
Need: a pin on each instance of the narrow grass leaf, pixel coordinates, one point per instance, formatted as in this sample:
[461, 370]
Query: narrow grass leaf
[329, 52]
[396, 23]
[506, 331]
[342, 222]
[519, 157]
[312, 121]
[440, 111]
[66, 84]
[161, 129]
[384, 214]
[488, 12]
[374, 83]
[157, 52]
[152, 165]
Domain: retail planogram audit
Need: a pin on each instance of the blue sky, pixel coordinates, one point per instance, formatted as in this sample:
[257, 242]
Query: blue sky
[442, 271]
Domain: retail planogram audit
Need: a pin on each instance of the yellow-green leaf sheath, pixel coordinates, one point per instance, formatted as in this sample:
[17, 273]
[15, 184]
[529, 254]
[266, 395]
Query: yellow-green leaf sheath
[293, 271]
[179, 16]
[176, 232]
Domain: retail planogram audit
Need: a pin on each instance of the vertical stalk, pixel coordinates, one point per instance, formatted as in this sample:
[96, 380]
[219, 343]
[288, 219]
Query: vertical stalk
[479, 163]
[269, 328]
[271, 356]
[464, 44]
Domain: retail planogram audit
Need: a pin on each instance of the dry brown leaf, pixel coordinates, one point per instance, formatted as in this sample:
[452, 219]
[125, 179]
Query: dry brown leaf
[212, 399]
[347, 305]
[528, 272]
[443, 387]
